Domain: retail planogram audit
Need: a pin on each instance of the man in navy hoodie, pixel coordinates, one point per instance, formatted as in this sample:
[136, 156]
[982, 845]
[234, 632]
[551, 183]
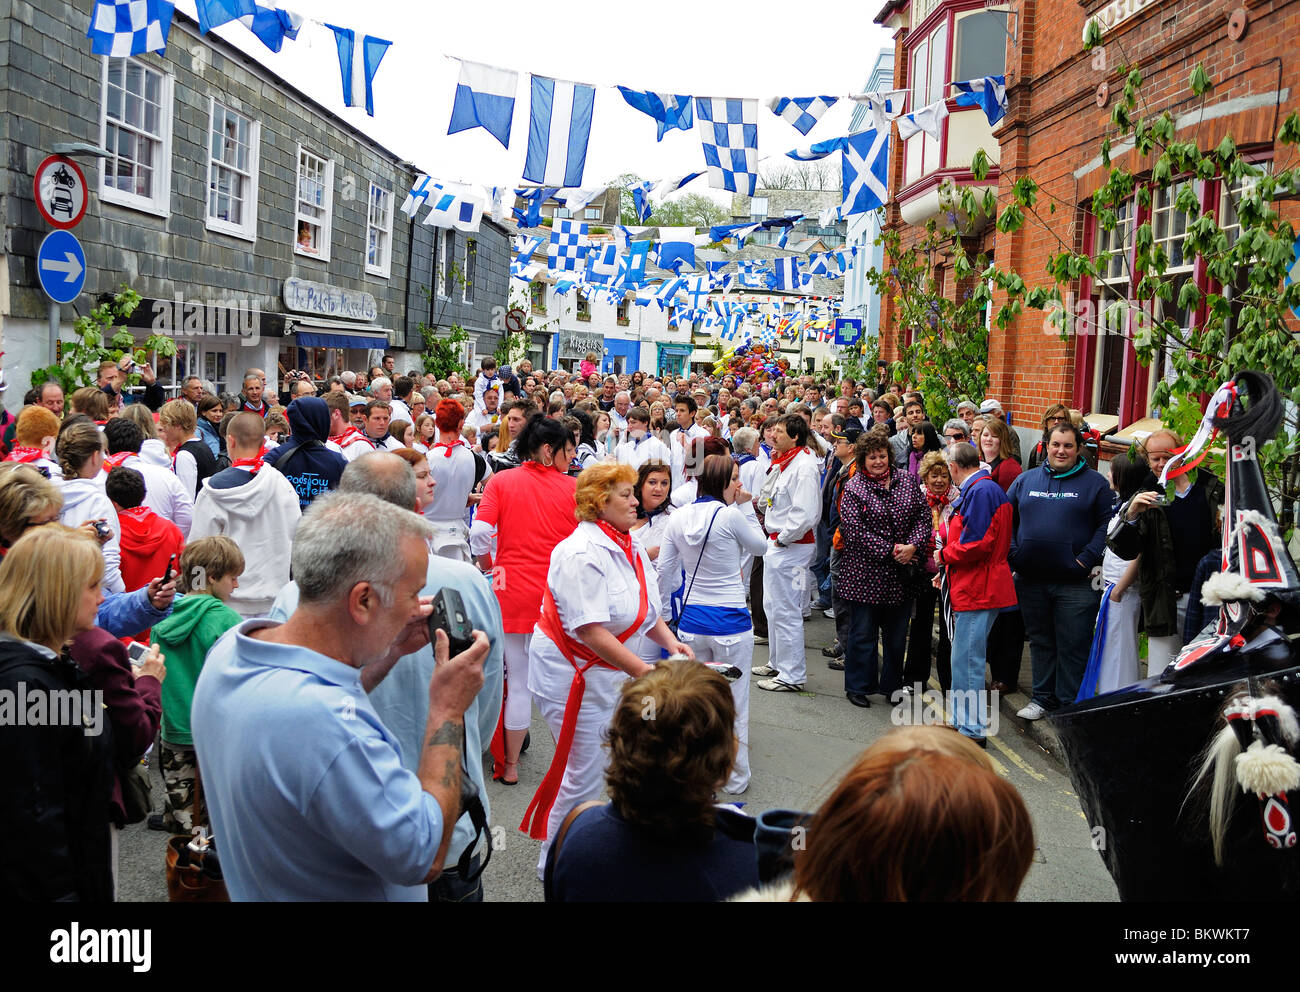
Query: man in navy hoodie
[304, 460]
[1061, 511]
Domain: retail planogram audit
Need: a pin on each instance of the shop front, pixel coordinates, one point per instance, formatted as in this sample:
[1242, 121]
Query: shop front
[672, 359]
[569, 348]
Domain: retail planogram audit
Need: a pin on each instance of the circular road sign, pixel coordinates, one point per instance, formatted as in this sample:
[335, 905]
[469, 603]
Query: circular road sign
[515, 320]
[60, 191]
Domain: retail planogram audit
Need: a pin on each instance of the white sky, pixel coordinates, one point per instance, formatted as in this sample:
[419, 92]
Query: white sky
[702, 48]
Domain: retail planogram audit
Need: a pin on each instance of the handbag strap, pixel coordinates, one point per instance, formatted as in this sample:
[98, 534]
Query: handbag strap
[700, 558]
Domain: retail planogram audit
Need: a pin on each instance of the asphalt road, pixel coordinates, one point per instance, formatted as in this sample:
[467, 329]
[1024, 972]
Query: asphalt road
[800, 745]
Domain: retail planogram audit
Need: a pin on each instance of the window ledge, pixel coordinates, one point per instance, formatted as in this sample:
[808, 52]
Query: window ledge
[623, 322]
[233, 230]
[584, 316]
[374, 270]
[110, 194]
[315, 256]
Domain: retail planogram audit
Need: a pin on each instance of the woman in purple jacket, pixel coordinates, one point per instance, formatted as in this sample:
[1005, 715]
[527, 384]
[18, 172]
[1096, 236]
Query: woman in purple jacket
[885, 528]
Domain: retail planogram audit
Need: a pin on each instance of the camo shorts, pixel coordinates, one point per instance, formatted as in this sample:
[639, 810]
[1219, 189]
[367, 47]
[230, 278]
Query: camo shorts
[179, 768]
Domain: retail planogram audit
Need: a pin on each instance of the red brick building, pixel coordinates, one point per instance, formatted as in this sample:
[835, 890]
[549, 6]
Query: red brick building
[1059, 103]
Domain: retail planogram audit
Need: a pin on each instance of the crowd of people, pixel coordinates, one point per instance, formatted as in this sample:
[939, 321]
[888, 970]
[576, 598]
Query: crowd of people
[611, 539]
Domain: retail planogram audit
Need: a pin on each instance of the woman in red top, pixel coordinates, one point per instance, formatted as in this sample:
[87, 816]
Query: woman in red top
[531, 510]
[1006, 639]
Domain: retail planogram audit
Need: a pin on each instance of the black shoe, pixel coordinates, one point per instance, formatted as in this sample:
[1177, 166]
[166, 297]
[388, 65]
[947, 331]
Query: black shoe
[528, 739]
[858, 699]
[836, 664]
[156, 822]
[833, 650]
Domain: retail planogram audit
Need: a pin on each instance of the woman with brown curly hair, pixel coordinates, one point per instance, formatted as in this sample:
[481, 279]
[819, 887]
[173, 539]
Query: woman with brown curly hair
[600, 593]
[661, 838]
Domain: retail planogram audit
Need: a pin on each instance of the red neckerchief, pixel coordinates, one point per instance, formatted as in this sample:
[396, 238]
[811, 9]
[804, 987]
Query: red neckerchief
[449, 445]
[349, 436]
[622, 538]
[783, 461]
[134, 512]
[261, 412]
[255, 463]
[938, 502]
[24, 454]
[115, 461]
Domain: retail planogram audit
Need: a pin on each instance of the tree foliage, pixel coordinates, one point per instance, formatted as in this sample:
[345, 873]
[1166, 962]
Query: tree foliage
[99, 339]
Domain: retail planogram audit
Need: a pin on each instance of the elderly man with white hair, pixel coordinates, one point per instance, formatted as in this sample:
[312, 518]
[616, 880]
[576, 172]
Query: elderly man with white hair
[618, 413]
[328, 812]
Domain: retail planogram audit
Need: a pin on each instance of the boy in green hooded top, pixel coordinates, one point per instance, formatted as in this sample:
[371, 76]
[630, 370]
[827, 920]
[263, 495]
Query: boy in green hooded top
[209, 571]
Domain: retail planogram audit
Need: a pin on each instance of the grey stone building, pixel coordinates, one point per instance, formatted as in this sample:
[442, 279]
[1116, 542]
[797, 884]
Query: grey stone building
[261, 229]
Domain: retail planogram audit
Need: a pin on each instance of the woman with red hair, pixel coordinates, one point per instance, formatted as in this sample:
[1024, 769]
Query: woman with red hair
[456, 471]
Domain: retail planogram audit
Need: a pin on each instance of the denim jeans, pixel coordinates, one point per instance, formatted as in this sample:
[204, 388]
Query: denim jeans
[868, 623]
[970, 636]
[450, 887]
[842, 608]
[1059, 620]
[821, 564]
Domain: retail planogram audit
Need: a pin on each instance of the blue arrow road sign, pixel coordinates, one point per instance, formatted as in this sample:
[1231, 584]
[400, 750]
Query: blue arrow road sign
[61, 266]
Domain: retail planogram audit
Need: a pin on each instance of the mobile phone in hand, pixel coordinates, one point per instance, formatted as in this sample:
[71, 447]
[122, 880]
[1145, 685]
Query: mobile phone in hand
[449, 615]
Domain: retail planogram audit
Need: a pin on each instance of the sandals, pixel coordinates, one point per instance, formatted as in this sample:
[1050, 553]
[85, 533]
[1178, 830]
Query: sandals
[502, 778]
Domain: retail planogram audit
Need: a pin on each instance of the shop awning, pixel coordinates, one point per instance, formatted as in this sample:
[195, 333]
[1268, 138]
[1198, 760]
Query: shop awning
[675, 349]
[338, 334]
[700, 355]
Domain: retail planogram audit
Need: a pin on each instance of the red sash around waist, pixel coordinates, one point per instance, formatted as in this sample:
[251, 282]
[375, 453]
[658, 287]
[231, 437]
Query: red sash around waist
[539, 810]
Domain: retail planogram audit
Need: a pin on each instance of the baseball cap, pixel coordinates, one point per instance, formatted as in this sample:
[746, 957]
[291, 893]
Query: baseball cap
[357, 401]
[846, 433]
[989, 406]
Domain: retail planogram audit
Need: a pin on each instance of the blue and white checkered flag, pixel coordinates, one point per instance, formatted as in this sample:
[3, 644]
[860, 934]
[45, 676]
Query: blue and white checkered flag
[801, 111]
[130, 27]
[728, 129]
[989, 93]
[569, 246]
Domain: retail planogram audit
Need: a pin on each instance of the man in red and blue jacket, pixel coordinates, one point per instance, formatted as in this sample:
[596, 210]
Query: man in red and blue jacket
[979, 580]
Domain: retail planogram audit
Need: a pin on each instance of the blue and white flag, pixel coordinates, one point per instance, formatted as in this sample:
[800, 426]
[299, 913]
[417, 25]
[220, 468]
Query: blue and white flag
[524, 273]
[668, 291]
[753, 274]
[676, 248]
[668, 110]
[928, 119]
[697, 289]
[485, 97]
[525, 246]
[568, 249]
[728, 130]
[214, 13]
[272, 25]
[736, 232]
[641, 198]
[786, 270]
[418, 196]
[865, 172]
[563, 286]
[534, 198]
[665, 186]
[602, 264]
[451, 206]
[989, 93]
[801, 111]
[632, 264]
[883, 105]
[558, 131]
[130, 27]
[817, 150]
[496, 201]
[576, 199]
[358, 65]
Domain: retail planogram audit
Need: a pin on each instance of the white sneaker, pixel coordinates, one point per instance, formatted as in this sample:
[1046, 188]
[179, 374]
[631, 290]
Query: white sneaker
[1032, 712]
[829, 613]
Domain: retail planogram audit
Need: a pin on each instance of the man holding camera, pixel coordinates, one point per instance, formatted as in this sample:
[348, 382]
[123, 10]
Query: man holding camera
[112, 380]
[328, 812]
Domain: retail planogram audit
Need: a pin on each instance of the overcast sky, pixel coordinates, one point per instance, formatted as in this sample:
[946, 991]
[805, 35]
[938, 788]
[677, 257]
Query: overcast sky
[700, 48]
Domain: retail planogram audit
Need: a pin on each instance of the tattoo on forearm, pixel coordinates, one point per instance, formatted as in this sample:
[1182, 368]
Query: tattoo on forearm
[448, 734]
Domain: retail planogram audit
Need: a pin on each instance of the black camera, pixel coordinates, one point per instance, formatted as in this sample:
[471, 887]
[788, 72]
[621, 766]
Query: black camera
[449, 615]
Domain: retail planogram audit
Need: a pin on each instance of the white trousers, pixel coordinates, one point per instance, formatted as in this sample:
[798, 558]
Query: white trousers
[584, 775]
[785, 597]
[451, 540]
[1161, 651]
[1119, 655]
[519, 701]
[738, 650]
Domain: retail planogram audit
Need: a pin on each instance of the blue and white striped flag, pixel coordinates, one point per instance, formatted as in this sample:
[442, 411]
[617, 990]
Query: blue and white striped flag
[787, 273]
[358, 64]
[666, 293]
[485, 97]
[558, 131]
[989, 93]
[801, 111]
[668, 110]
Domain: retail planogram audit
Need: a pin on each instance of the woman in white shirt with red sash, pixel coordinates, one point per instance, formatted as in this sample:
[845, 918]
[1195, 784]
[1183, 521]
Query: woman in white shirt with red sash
[601, 592]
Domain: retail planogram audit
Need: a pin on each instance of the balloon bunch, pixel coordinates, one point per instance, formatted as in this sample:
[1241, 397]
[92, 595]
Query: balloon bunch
[753, 362]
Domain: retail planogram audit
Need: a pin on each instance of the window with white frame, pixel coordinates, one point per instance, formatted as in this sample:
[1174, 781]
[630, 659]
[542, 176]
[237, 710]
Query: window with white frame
[592, 213]
[1230, 196]
[440, 277]
[1112, 295]
[135, 128]
[471, 254]
[379, 232]
[758, 209]
[315, 205]
[563, 213]
[232, 172]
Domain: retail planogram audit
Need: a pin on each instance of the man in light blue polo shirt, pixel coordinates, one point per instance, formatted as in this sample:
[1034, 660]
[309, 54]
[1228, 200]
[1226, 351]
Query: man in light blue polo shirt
[398, 699]
[308, 796]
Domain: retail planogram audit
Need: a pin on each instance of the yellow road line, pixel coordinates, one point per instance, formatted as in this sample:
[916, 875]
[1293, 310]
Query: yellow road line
[1011, 755]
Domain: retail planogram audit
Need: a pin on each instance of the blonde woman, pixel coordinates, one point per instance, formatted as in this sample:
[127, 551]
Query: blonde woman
[56, 777]
[600, 594]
